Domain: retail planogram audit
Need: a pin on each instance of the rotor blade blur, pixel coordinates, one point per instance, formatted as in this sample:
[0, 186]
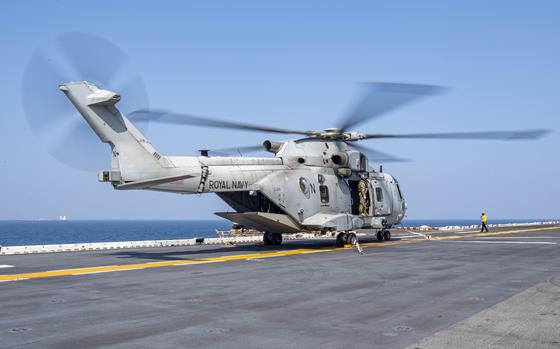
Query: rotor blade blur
[92, 58]
[49, 113]
[133, 96]
[382, 97]
[488, 135]
[133, 93]
[43, 104]
[79, 147]
[375, 155]
[169, 117]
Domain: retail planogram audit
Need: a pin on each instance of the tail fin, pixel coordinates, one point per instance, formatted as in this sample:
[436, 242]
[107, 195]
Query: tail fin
[132, 155]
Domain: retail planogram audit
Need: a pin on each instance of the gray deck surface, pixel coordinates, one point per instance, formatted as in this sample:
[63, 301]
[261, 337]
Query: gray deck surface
[393, 296]
[529, 319]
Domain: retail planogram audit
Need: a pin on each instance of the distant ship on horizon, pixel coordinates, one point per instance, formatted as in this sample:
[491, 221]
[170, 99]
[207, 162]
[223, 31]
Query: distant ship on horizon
[59, 218]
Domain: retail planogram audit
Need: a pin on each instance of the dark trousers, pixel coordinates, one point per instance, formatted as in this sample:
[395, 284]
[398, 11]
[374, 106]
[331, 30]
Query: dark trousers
[484, 227]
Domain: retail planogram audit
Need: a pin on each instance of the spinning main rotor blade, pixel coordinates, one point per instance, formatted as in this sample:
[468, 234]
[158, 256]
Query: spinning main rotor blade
[75, 57]
[489, 135]
[170, 117]
[382, 97]
[375, 155]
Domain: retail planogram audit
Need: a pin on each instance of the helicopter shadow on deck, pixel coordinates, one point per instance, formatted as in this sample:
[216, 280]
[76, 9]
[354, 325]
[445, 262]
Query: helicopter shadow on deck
[203, 251]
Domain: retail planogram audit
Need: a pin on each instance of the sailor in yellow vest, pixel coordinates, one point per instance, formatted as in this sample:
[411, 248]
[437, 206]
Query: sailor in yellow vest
[483, 220]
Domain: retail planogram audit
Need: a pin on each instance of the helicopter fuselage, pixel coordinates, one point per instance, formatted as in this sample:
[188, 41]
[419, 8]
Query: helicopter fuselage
[310, 184]
[316, 183]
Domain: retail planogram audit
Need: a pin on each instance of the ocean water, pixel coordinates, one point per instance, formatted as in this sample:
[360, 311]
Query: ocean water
[18, 233]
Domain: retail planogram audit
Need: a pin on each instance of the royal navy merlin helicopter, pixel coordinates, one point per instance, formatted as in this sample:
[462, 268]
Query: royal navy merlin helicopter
[323, 180]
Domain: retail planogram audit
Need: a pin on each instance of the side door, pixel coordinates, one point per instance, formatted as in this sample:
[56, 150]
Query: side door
[381, 198]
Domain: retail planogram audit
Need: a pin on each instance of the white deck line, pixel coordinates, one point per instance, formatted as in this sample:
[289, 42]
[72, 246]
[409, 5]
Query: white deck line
[505, 242]
[93, 246]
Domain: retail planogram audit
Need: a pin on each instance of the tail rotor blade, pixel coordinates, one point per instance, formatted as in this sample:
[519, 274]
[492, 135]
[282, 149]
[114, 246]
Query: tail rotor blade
[134, 96]
[78, 146]
[76, 57]
[91, 57]
[43, 104]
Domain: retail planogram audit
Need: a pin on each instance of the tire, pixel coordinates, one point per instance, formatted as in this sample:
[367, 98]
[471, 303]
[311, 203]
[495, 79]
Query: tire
[380, 236]
[387, 235]
[340, 240]
[268, 239]
[276, 239]
[352, 239]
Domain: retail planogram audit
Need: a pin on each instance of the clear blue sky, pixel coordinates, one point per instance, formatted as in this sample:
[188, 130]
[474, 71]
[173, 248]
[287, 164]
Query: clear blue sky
[296, 64]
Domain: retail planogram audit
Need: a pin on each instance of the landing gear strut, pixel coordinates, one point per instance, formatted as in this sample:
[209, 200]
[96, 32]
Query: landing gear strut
[272, 239]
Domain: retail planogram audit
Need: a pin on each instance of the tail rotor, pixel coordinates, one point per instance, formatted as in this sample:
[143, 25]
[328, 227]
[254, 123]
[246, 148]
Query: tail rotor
[76, 57]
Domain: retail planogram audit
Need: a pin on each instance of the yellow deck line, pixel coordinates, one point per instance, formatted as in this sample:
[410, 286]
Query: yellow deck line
[148, 265]
[136, 266]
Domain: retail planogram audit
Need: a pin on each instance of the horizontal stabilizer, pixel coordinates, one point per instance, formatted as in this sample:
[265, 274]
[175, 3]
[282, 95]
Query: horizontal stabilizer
[154, 181]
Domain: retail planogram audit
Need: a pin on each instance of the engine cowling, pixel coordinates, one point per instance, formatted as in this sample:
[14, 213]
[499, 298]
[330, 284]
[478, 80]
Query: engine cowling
[340, 159]
[273, 147]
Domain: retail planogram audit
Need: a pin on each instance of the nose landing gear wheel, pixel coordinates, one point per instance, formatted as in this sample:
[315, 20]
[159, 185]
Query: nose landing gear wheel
[351, 238]
[380, 236]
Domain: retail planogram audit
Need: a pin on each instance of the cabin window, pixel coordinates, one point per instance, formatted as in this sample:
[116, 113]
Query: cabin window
[324, 193]
[379, 194]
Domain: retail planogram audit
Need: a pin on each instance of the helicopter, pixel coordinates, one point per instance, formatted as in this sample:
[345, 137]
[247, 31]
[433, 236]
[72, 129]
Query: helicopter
[321, 181]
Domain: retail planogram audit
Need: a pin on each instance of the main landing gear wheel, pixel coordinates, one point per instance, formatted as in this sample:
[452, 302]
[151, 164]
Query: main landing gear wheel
[387, 235]
[277, 239]
[270, 239]
[267, 239]
[380, 236]
[340, 239]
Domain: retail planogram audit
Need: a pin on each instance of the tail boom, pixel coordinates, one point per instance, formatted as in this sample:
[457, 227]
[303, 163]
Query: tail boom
[132, 154]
